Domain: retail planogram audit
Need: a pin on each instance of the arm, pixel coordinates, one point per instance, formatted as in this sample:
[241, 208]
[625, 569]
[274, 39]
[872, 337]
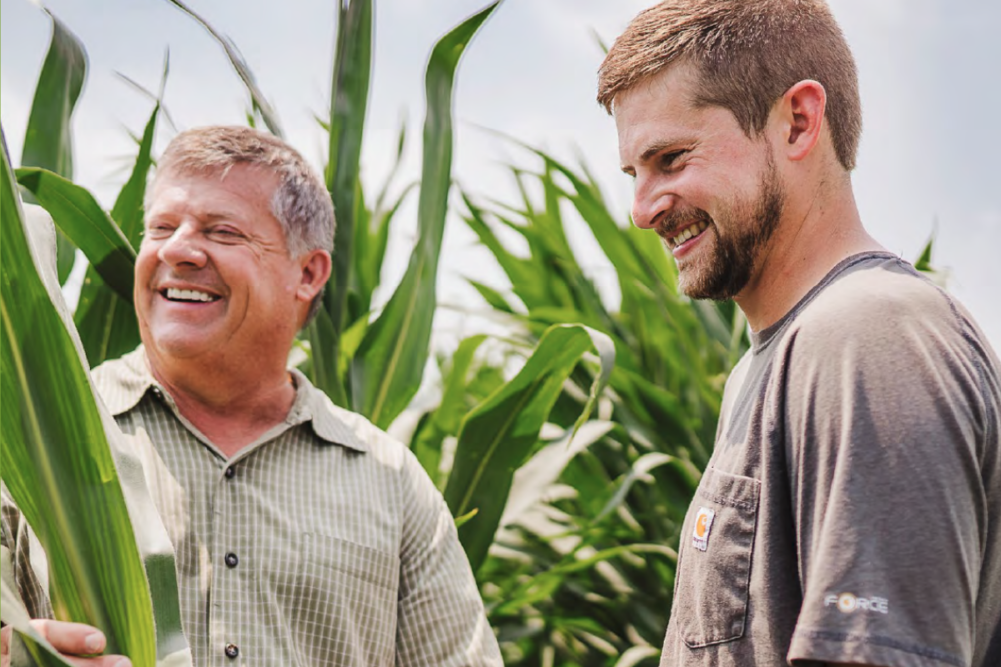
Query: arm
[441, 620]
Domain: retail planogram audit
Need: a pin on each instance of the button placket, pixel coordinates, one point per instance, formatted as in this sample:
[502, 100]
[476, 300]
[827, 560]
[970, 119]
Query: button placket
[225, 583]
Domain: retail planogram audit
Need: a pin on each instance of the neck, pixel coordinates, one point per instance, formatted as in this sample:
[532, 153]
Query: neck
[232, 404]
[813, 237]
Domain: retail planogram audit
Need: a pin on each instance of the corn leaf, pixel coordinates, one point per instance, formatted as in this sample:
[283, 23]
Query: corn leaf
[82, 219]
[349, 101]
[257, 99]
[66, 465]
[48, 138]
[106, 322]
[56, 460]
[499, 435]
[387, 371]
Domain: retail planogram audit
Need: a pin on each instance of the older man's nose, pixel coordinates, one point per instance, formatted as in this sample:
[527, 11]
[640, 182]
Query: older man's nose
[183, 248]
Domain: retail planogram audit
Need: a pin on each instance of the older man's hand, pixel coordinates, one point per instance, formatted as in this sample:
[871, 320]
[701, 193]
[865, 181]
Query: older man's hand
[72, 640]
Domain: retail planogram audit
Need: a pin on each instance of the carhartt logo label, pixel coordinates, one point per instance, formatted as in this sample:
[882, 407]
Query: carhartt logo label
[703, 524]
[848, 603]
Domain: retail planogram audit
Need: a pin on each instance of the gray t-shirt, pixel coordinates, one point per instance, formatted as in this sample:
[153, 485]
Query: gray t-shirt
[851, 511]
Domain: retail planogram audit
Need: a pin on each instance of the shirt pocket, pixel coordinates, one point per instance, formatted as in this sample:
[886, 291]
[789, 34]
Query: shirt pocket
[714, 571]
[351, 592]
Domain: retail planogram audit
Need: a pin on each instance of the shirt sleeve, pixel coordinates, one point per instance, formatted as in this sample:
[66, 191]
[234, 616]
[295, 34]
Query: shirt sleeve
[441, 620]
[884, 427]
[21, 555]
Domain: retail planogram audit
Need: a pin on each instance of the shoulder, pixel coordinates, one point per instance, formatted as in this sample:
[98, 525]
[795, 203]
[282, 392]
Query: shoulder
[885, 333]
[885, 309]
[338, 424]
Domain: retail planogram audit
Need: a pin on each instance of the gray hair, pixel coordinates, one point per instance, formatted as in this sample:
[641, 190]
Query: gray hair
[301, 203]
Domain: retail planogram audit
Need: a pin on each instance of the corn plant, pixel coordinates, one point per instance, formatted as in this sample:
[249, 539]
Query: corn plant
[582, 570]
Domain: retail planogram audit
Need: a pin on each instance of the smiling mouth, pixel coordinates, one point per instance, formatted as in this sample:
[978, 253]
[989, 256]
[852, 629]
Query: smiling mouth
[687, 233]
[188, 295]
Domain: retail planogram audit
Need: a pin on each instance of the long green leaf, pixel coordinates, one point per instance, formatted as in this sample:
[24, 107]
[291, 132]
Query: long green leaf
[348, 104]
[82, 219]
[387, 370]
[500, 433]
[107, 323]
[48, 139]
[257, 98]
[56, 460]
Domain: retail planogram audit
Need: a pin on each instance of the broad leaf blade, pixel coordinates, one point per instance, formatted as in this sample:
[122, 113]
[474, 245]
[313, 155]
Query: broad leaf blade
[500, 433]
[81, 218]
[387, 371]
[56, 460]
[48, 138]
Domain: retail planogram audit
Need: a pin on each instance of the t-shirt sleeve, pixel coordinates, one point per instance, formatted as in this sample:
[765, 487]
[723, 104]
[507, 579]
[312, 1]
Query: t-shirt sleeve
[882, 423]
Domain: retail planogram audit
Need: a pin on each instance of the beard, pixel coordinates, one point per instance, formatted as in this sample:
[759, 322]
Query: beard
[725, 267]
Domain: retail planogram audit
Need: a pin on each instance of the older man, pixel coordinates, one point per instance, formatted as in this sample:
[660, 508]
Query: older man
[303, 534]
[851, 512]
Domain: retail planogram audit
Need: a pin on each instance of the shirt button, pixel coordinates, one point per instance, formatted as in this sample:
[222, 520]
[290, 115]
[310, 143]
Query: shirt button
[231, 559]
[232, 650]
[230, 472]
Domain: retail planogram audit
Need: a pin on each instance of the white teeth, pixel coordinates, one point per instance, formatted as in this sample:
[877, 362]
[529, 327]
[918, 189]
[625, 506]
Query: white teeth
[188, 295]
[689, 232]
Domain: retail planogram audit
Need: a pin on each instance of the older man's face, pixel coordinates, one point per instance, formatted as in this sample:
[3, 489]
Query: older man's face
[213, 275]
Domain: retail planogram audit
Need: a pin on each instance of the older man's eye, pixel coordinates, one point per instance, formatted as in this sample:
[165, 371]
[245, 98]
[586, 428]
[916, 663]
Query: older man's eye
[159, 230]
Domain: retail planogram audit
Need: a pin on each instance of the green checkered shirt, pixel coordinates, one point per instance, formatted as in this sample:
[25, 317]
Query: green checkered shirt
[322, 543]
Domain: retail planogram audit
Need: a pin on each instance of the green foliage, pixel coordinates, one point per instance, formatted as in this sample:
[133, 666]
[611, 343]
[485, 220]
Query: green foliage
[56, 460]
[48, 141]
[583, 573]
[387, 369]
[105, 318]
[500, 433]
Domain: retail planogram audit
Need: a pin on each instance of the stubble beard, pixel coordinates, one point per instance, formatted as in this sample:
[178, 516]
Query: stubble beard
[726, 269]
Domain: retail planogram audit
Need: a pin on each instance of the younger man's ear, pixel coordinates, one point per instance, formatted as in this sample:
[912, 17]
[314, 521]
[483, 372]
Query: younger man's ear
[801, 118]
[316, 267]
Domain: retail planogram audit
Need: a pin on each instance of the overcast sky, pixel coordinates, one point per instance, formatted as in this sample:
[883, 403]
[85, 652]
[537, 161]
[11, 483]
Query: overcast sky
[929, 73]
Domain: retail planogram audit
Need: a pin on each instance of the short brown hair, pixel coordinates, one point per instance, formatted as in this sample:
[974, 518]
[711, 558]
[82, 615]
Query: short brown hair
[301, 203]
[748, 53]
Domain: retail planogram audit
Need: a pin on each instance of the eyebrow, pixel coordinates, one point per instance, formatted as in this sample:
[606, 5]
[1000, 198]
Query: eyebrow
[657, 147]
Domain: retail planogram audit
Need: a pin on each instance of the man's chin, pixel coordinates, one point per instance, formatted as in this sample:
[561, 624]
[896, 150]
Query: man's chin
[176, 345]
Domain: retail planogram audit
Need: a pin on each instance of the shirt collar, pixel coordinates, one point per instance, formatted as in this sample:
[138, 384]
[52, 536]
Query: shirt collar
[122, 383]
